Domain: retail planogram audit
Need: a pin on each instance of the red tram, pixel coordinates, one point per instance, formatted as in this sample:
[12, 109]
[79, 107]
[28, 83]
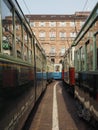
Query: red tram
[68, 73]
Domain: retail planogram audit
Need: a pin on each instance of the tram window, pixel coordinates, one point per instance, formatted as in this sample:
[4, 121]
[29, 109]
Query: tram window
[30, 49]
[25, 44]
[89, 56]
[25, 53]
[18, 46]
[30, 55]
[19, 41]
[77, 60]
[68, 56]
[75, 57]
[57, 68]
[7, 28]
[82, 58]
[7, 17]
[71, 55]
[18, 54]
[97, 49]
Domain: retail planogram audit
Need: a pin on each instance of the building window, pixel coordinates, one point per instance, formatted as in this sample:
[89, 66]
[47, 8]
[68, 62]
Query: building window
[52, 35]
[42, 24]
[62, 24]
[72, 24]
[32, 24]
[52, 24]
[52, 51]
[62, 51]
[42, 35]
[72, 34]
[81, 24]
[62, 35]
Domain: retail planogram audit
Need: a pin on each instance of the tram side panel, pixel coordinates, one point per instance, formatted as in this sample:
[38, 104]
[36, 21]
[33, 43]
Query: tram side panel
[12, 89]
[17, 69]
[44, 71]
[14, 77]
[86, 66]
[69, 70]
[50, 71]
[39, 71]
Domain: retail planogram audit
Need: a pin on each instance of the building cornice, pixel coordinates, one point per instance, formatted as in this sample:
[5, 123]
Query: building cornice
[77, 15]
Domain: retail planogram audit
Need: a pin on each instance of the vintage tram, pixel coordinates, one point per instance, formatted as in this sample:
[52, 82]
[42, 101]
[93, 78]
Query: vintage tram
[85, 63]
[86, 66]
[23, 67]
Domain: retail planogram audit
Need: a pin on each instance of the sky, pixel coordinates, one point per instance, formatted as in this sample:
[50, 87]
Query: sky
[56, 6]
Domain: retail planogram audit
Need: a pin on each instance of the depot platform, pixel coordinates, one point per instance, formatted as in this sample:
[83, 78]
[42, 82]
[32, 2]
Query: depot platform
[57, 111]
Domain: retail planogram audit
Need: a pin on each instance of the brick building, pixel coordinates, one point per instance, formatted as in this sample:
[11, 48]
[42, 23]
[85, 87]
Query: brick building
[56, 32]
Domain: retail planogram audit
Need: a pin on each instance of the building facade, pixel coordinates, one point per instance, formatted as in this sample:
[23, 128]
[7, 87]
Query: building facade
[56, 32]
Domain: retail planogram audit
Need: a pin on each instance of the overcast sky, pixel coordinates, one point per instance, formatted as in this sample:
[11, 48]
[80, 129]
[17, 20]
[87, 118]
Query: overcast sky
[56, 6]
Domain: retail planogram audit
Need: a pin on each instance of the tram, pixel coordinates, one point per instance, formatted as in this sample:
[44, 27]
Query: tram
[68, 70]
[50, 71]
[86, 69]
[57, 74]
[23, 67]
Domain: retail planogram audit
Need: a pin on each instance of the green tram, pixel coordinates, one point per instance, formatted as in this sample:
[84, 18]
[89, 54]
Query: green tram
[23, 67]
[86, 68]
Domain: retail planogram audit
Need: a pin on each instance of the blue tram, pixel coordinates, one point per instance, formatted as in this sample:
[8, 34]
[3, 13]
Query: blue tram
[23, 75]
[57, 74]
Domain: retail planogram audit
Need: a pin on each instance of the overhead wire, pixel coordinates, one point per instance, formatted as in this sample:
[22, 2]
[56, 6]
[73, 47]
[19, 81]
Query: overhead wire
[85, 5]
[26, 6]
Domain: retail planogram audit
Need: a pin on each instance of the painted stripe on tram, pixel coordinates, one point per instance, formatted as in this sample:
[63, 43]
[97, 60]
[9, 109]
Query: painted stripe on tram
[55, 122]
